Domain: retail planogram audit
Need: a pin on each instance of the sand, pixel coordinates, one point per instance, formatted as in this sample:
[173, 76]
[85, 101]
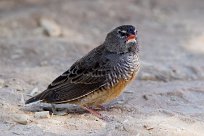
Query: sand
[40, 39]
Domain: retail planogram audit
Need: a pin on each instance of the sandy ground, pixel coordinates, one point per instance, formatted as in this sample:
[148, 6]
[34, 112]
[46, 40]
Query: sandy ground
[167, 98]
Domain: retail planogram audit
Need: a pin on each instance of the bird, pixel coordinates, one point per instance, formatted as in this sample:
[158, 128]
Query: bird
[98, 77]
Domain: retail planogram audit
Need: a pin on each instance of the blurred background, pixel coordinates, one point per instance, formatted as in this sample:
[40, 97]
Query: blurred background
[40, 39]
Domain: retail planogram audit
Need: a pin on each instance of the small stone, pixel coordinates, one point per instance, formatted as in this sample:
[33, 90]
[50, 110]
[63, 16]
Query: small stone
[34, 91]
[18, 87]
[147, 76]
[22, 101]
[42, 114]
[21, 118]
[148, 127]
[1, 83]
[51, 28]
[145, 97]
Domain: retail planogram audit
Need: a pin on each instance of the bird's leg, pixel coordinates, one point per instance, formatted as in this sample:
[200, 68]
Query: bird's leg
[101, 107]
[95, 113]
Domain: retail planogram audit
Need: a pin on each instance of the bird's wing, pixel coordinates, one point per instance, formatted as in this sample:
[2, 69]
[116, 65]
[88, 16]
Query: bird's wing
[81, 79]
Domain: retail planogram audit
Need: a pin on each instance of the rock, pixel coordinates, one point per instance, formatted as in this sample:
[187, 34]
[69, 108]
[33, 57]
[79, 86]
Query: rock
[196, 44]
[145, 97]
[42, 114]
[22, 101]
[1, 83]
[147, 127]
[21, 118]
[34, 91]
[50, 27]
[147, 76]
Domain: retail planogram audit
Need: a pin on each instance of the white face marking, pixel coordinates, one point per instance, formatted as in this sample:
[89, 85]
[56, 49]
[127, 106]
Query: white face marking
[123, 31]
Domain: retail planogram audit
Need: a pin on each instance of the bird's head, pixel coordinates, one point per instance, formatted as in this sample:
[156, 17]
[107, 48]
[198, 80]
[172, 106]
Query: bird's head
[122, 39]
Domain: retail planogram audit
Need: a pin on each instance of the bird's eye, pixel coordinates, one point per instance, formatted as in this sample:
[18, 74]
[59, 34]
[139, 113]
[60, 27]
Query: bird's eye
[122, 33]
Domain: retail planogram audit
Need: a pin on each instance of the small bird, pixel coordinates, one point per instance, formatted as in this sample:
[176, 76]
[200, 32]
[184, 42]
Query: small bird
[98, 77]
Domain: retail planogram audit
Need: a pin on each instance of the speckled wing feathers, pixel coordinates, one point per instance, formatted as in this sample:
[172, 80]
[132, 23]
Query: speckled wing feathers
[76, 86]
[85, 76]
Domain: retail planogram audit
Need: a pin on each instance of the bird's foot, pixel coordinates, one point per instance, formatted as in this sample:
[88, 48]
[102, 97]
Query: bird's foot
[100, 107]
[97, 114]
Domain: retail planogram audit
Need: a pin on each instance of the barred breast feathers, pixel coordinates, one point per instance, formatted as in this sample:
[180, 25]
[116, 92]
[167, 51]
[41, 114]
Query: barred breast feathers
[124, 69]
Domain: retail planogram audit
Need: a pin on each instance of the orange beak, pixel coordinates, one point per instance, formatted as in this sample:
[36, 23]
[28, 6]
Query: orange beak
[131, 37]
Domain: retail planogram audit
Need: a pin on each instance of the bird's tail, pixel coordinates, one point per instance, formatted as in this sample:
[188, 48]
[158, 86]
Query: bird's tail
[34, 99]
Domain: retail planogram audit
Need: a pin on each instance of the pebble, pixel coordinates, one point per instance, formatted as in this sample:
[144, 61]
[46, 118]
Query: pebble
[21, 118]
[148, 127]
[22, 101]
[18, 87]
[1, 83]
[145, 97]
[34, 91]
[42, 114]
[147, 76]
[50, 27]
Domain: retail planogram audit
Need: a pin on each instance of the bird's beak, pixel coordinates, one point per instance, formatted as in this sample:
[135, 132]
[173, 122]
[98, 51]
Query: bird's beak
[131, 38]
